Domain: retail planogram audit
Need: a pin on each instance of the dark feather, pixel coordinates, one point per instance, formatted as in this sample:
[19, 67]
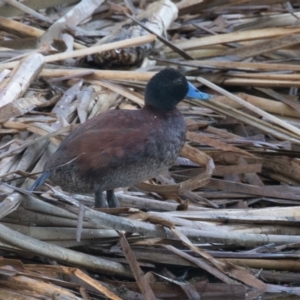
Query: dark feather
[40, 181]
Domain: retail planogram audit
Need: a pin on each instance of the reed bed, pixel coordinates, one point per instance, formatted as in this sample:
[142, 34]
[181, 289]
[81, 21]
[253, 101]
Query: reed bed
[223, 222]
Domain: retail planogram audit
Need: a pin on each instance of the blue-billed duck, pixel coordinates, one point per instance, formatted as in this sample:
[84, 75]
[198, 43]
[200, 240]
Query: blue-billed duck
[121, 148]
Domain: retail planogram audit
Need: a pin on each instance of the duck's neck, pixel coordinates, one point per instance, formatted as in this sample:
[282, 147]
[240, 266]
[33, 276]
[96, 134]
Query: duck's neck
[160, 110]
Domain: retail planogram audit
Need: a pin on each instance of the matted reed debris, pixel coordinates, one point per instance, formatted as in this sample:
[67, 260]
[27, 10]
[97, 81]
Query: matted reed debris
[223, 223]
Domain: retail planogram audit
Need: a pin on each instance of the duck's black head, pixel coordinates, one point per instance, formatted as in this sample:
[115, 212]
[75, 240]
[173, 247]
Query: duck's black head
[167, 88]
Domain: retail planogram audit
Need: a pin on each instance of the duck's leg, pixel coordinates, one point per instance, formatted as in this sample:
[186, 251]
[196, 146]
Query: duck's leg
[100, 201]
[112, 199]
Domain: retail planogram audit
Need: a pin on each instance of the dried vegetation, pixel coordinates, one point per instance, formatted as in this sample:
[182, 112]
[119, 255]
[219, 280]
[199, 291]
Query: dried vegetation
[224, 222]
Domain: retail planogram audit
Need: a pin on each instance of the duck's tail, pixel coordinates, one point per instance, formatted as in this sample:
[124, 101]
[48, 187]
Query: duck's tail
[40, 181]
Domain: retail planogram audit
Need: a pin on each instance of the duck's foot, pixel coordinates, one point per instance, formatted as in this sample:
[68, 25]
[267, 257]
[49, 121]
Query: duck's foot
[100, 201]
[112, 199]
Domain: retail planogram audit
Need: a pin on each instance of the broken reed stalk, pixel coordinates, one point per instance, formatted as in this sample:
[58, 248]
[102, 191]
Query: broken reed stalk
[100, 74]
[235, 37]
[88, 51]
[251, 107]
[61, 254]
[237, 65]
[25, 73]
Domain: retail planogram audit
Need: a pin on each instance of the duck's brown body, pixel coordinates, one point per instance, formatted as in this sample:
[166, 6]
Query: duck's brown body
[118, 149]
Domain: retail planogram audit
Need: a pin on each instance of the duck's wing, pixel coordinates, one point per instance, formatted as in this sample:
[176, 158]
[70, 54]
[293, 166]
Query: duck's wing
[101, 142]
[98, 149]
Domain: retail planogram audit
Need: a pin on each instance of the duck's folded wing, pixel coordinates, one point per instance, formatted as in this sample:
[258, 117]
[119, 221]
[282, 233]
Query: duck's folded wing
[97, 149]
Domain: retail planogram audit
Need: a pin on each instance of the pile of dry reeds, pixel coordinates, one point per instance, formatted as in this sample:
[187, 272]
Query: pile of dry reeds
[225, 221]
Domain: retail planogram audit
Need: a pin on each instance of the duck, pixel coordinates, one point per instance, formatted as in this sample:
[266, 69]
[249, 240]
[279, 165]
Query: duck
[120, 148]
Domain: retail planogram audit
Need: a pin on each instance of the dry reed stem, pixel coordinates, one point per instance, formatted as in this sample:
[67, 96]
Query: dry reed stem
[45, 249]
[25, 73]
[95, 49]
[251, 107]
[236, 37]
